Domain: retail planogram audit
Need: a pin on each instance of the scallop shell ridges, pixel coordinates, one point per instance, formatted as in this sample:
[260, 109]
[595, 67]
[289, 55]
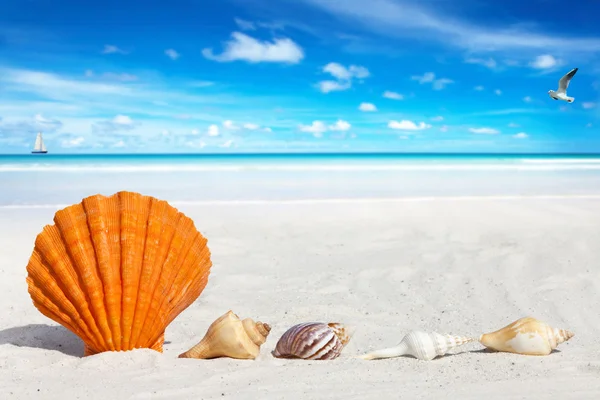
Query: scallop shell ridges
[117, 270]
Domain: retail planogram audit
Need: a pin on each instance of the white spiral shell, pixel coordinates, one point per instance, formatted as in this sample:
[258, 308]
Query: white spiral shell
[421, 345]
[313, 341]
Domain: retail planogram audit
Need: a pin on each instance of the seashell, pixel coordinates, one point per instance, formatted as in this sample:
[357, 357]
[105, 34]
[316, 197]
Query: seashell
[422, 345]
[230, 337]
[117, 270]
[527, 336]
[313, 341]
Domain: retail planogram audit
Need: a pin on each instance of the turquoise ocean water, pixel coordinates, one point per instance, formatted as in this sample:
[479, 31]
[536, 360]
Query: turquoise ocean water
[50, 179]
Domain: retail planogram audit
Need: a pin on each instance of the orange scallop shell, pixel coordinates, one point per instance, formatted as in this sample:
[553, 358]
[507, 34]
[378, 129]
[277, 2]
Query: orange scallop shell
[117, 270]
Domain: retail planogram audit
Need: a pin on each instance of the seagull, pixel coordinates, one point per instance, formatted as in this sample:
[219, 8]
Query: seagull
[563, 84]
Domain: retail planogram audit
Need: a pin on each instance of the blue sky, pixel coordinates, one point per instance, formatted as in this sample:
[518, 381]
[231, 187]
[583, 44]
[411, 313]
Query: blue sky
[298, 75]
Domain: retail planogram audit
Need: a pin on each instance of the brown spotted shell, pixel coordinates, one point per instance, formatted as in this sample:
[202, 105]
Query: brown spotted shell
[313, 341]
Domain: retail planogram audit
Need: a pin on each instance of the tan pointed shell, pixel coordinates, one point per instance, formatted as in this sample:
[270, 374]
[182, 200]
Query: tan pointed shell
[117, 270]
[228, 336]
[313, 341]
[527, 336]
[421, 345]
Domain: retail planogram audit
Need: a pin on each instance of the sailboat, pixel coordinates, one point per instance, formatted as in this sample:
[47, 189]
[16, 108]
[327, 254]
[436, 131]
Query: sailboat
[39, 147]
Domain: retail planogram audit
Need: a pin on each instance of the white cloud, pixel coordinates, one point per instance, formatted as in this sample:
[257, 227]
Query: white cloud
[195, 132]
[120, 124]
[342, 73]
[110, 49]
[441, 83]
[104, 113]
[484, 131]
[438, 118]
[588, 104]
[111, 76]
[521, 135]
[426, 77]
[251, 126]
[333, 86]
[420, 21]
[244, 25]
[527, 99]
[316, 128]
[340, 125]
[392, 95]
[119, 143]
[201, 84]
[498, 92]
[489, 63]
[227, 144]
[479, 88]
[196, 144]
[47, 123]
[544, 61]
[229, 124]
[70, 143]
[246, 48]
[172, 54]
[77, 96]
[367, 107]
[407, 125]
[122, 120]
[444, 128]
[513, 125]
[429, 77]
[123, 77]
[344, 76]
[213, 130]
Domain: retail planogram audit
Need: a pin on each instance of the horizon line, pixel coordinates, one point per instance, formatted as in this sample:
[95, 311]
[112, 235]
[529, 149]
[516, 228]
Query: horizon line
[303, 153]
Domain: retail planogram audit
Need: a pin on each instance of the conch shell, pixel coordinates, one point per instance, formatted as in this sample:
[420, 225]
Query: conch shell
[422, 345]
[526, 336]
[230, 337]
[313, 341]
[117, 270]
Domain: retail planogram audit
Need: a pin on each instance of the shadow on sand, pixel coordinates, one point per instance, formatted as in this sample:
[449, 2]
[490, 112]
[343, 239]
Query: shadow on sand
[42, 336]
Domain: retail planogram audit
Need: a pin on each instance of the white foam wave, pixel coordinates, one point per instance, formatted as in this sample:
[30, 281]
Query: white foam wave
[179, 203]
[159, 168]
[561, 161]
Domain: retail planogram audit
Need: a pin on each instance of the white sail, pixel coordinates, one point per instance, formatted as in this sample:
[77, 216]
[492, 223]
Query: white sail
[39, 144]
[42, 141]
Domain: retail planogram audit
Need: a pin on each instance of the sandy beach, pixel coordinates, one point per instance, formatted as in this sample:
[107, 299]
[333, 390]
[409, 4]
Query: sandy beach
[460, 266]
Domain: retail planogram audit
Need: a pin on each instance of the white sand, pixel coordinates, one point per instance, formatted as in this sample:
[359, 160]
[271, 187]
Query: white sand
[461, 267]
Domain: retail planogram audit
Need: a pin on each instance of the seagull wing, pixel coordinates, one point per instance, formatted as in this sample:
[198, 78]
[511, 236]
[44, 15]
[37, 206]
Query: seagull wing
[563, 83]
